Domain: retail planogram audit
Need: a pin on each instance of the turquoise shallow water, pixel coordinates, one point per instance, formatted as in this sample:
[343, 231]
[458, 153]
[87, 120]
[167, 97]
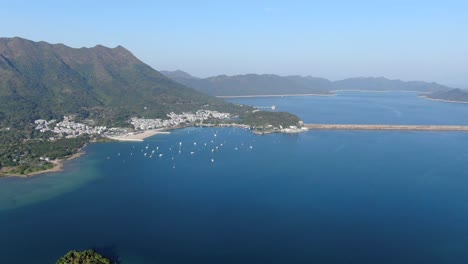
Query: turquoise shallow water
[316, 197]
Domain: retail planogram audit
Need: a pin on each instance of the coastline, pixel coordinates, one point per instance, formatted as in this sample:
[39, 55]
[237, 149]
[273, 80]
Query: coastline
[57, 166]
[443, 100]
[58, 163]
[269, 95]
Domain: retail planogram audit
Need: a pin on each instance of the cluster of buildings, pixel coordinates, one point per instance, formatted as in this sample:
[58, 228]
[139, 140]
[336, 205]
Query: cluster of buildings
[178, 119]
[68, 128]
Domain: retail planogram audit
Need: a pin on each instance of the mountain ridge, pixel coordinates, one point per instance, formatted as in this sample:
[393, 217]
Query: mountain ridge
[263, 84]
[42, 80]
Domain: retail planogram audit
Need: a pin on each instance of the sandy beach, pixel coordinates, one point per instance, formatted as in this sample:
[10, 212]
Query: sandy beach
[270, 95]
[135, 136]
[376, 91]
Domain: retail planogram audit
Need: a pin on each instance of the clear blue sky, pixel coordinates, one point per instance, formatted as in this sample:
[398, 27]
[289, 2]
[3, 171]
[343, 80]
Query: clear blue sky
[409, 40]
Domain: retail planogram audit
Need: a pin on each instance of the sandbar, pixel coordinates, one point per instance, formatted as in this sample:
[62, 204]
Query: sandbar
[270, 95]
[139, 136]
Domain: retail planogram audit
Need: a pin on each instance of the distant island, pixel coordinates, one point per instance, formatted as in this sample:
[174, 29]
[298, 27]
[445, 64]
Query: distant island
[55, 99]
[84, 257]
[270, 84]
[454, 96]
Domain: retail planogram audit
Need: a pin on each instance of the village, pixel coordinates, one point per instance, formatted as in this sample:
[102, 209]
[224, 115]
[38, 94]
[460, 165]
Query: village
[69, 128]
[176, 120]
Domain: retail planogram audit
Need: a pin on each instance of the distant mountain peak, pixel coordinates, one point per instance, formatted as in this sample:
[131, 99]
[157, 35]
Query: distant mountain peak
[43, 80]
[178, 74]
[266, 84]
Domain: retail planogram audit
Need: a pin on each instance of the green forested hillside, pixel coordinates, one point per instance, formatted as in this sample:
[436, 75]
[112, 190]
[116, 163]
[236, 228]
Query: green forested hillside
[42, 80]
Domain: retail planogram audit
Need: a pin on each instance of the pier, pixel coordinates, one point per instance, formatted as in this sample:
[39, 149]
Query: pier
[386, 127]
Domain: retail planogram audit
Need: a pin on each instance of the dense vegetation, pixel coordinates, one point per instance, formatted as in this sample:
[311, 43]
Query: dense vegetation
[26, 151]
[456, 95]
[261, 119]
[42, 80]
[254, 84]
[83, 257]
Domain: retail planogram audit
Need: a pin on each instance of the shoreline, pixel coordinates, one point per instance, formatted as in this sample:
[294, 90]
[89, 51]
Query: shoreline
[443, 100]
[269, 95]
[57, 166]
[58, 163]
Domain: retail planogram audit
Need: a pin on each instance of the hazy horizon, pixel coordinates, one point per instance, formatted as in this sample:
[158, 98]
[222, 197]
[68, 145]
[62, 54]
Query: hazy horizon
[420, 40]
[307, 75]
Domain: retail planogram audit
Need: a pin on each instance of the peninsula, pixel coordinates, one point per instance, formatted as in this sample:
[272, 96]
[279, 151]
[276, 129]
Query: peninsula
[451, 96]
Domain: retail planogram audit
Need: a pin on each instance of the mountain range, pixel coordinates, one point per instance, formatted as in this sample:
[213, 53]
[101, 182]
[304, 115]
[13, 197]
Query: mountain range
[42, 80]
[270, 84]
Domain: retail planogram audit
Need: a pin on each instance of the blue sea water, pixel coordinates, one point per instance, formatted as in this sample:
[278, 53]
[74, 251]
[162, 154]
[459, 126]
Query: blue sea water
[316, 197]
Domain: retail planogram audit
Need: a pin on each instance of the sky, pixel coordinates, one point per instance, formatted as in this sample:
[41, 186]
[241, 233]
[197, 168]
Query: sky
[408, 40]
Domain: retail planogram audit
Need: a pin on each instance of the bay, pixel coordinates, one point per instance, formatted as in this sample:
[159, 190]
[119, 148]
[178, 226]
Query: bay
[315, 197]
